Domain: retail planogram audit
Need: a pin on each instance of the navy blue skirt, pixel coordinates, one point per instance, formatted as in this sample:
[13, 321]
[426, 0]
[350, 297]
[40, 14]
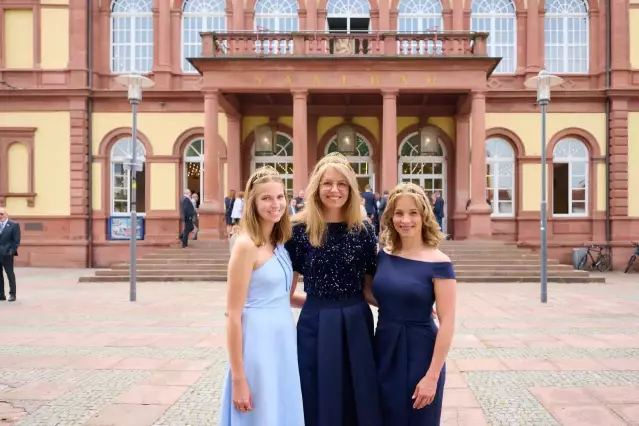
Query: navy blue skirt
[336, 362]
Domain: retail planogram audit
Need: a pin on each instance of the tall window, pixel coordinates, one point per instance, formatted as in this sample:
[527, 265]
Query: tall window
[348, 16]
[566, 36]
[131, 36]
[200, 16]
[497, 17]
[570, 178]
[419, 17]
[193, 166]
[276, 16]
[121, 156]
[500, 176]
[281, 160]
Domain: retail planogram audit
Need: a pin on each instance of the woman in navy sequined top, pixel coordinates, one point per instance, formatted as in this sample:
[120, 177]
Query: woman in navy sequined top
[336, 253]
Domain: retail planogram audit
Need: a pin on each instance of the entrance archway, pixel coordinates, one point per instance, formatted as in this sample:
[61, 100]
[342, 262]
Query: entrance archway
[361, 162]
[426, 171]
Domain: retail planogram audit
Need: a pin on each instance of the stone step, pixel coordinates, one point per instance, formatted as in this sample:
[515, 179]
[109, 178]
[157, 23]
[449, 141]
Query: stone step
[469, 279]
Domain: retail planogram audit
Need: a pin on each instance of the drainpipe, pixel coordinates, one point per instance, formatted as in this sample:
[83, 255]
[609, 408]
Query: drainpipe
[608, 78]
[89, 259]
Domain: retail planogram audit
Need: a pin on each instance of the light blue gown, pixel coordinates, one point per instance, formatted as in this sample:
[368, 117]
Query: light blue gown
[270, 351]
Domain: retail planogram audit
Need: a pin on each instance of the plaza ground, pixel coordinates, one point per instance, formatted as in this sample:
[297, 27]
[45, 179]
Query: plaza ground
[82, 354]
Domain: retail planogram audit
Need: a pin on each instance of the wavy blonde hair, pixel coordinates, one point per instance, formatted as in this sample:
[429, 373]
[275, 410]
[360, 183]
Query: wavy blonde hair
[250, 223]
[431, 235]
[312, 214]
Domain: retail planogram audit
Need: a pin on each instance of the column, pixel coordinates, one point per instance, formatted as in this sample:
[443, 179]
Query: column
[532, 40]
[212, 193]
[389, 141]
[300, 134]
[163, 68]
[462, 163]
[233, 166]
[479, 211]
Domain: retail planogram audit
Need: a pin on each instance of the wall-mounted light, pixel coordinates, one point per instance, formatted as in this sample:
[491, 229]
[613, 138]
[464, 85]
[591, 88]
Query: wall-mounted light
[428, 141]
[346, 140]
[265, 137]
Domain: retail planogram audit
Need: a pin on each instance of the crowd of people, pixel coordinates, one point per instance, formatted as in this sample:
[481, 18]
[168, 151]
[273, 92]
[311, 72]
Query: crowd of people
[334, 368]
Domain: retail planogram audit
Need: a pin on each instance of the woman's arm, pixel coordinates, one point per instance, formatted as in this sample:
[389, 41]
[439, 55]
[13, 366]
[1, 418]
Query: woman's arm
[297, 300]
[368, 290]
[446, 295]
[243, 257]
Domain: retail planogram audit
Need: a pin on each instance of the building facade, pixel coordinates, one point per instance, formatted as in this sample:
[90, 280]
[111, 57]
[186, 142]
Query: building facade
[428, 91]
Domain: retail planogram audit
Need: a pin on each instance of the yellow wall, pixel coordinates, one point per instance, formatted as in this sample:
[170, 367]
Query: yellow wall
[634, 37]
[51, 157]
[96, 193]
[633, 160]
[18, 38]
[18, 169]
[162, 130]
[55, 38]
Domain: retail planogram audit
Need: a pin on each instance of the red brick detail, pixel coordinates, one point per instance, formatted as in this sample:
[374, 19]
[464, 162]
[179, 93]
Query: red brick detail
[78, 158]
[618, 158]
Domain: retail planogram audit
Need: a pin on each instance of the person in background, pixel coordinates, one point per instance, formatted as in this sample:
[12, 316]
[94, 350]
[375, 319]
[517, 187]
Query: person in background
[238, 207]
[438, 209]
[9, 244]
[362, 207]
[299, 201]
[195, 199]
[228, 209]
[292, 207]
[187, 214]
[377, 215]
[369, 203]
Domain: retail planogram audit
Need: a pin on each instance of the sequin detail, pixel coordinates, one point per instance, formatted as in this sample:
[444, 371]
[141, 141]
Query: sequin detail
[336, 269]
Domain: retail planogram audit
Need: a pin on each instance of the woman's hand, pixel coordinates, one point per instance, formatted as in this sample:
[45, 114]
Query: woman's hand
[242, 396]
[425, 391]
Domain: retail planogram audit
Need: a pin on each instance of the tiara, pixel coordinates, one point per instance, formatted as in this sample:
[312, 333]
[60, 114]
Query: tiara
[336, 158]
[263, 172]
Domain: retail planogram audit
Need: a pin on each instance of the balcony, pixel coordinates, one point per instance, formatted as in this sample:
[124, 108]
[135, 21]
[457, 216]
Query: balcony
[447, 44]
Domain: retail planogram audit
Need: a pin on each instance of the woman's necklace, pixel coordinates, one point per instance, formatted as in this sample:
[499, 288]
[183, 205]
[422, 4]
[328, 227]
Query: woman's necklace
[402, 253]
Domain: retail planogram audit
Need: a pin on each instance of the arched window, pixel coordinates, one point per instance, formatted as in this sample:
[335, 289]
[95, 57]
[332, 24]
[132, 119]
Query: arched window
[566, 36]
[200, 16]
[497, 17]
[348, 16]
[193, 166]
[276, 16]
[131, 36]
[419, 17]
[570, 178]
[121, 157]
[281, 160]
[360, 161]
[500, 177]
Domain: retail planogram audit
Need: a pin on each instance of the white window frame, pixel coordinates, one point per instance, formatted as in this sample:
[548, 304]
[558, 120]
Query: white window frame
[348, 9]
[572, 143]
[416, 157]
[486, 13]
[566, 14]
[496, 162]
[276, 16]
[358, 158]
[194, 159]
[204, 16]
[121, 153]
[279, 156]
[419, 17]
[131, 12]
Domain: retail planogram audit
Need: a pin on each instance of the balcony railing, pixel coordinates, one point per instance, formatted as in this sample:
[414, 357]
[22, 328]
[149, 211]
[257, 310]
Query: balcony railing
[314, 44]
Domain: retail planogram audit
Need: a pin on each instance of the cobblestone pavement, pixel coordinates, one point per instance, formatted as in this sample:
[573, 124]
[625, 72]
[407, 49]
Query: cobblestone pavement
[82, 354]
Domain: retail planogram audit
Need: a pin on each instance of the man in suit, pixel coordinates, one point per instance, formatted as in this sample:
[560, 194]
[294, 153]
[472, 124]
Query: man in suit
[9, 243]
[187, 214]
[438, 209]
[370, 204]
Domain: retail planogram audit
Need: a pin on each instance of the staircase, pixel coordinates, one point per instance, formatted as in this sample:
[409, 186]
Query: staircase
[475, 261]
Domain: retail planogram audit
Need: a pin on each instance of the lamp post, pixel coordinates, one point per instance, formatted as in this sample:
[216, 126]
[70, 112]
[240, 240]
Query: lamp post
[543, 82]
[135, 83]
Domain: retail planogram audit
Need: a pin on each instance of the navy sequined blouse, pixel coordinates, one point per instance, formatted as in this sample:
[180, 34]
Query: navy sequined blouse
[336, 269]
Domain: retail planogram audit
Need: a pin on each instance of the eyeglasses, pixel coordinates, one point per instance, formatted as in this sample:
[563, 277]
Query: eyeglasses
[328, 185]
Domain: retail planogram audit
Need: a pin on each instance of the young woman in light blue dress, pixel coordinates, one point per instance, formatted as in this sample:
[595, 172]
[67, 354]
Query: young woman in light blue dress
[262, 385]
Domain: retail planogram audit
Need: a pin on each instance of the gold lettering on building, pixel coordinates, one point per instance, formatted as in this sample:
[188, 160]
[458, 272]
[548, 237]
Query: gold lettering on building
[288, 79]
[374, 80]
[404, 80]
[430, 79]
[316, 79]
[258, 79]
[343, 79]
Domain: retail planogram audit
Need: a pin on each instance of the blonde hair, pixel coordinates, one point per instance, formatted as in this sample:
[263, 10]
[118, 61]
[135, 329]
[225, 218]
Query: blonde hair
[312, 215]
[250, 224]
[431, 235]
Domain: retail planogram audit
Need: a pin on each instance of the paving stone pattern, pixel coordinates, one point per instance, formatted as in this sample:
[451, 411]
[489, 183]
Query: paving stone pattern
[82, 354]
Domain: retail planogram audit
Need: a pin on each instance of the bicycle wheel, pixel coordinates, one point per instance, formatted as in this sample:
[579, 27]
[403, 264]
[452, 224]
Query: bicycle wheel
[582, 263]
[631, 261]
[604, 264]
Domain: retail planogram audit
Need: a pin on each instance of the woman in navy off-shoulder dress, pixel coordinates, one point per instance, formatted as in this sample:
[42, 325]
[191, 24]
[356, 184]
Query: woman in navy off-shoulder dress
[411, 274]
[336, 253]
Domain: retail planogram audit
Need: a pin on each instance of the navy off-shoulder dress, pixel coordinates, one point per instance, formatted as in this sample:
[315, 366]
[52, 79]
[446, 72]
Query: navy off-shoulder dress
[405, 336]
[335, 327]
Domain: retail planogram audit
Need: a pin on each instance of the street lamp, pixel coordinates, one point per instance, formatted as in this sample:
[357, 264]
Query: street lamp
[135, 83]
[543, 82]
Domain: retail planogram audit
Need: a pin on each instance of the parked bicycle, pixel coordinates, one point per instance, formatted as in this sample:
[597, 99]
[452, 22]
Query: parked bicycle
[632, 259]
[603, 261]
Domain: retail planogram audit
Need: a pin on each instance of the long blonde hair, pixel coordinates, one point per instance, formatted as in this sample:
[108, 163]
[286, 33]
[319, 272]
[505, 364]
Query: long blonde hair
[431, 235]
[312, 215]
[250, 224]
